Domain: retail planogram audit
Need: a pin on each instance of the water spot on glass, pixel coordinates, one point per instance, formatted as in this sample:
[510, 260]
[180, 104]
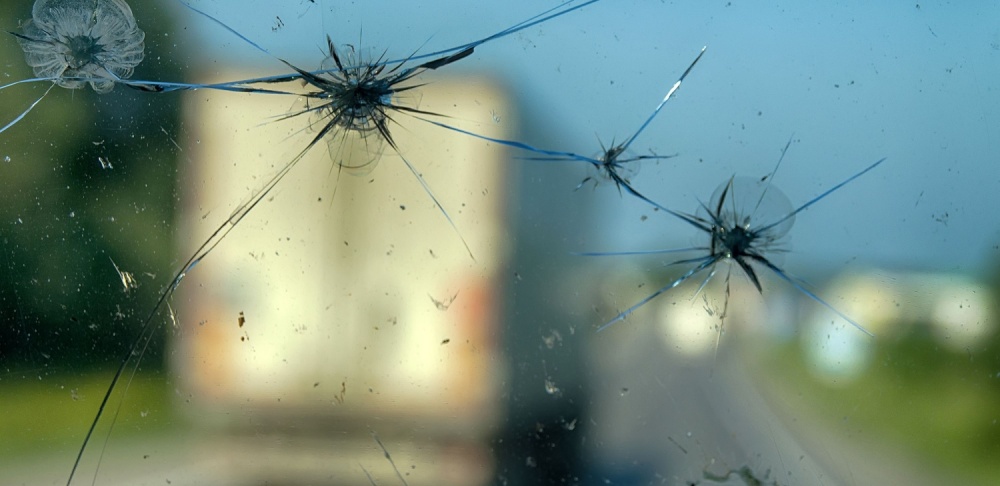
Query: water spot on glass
[551, 388]
[554, 338]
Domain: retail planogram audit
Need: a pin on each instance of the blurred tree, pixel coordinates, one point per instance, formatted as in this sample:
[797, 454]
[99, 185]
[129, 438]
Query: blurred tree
[88, 180]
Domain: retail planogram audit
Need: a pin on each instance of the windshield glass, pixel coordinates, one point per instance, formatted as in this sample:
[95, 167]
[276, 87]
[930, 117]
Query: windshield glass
[591, 242]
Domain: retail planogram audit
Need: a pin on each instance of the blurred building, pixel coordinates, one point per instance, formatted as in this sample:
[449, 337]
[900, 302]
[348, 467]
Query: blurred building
[344, 305]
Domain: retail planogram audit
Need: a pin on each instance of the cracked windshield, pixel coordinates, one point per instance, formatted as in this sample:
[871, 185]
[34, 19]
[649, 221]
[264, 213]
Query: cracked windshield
[536, 242]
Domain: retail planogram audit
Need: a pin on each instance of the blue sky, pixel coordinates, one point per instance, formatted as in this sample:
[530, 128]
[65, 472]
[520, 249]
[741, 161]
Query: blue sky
[853, 81]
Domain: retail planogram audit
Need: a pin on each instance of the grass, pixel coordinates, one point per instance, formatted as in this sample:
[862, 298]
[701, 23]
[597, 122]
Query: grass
[52, 413]
[937, 405]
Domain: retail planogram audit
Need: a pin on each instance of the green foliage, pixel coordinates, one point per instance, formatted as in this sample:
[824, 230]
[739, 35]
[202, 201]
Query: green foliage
[64, 216]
